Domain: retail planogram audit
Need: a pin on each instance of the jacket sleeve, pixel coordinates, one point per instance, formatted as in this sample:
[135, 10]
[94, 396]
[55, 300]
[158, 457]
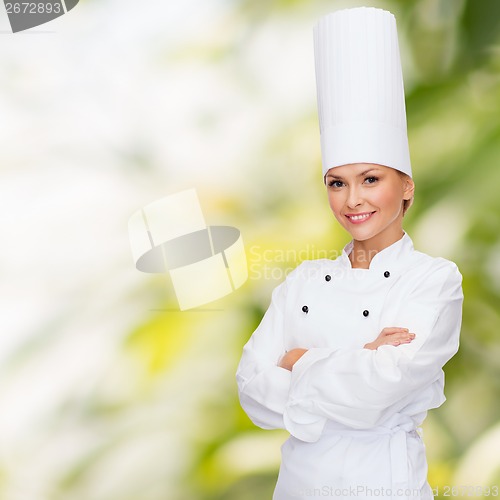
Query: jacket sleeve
[263, 385]
[361, 387]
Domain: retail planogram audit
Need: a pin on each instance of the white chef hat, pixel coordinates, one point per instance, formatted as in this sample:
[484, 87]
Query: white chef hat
[360, 91]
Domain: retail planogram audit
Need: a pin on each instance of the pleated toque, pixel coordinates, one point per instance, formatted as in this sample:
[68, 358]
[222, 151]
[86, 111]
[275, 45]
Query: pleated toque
[360, 92]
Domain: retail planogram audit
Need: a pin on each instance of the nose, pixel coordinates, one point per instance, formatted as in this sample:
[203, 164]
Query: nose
[353, 197]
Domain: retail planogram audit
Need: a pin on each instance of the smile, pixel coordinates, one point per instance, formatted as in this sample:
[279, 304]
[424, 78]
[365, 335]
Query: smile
[357, 219]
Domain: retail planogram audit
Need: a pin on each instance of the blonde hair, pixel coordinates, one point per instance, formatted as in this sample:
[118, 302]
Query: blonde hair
[406, 203]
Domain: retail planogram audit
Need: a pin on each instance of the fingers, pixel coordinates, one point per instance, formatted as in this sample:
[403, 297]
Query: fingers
[400, 338]
[291, 357]
[389, 330]
[392, 335]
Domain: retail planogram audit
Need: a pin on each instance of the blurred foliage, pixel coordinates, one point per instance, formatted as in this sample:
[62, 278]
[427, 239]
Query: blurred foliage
[164, 422]
[453, 115]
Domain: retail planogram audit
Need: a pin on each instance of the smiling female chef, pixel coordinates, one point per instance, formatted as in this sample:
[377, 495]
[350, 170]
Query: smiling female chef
[348, 358]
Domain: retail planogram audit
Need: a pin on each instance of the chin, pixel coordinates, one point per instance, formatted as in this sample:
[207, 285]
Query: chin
[362, 235]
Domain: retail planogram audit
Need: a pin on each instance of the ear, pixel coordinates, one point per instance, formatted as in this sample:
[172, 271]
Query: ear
[409, 188]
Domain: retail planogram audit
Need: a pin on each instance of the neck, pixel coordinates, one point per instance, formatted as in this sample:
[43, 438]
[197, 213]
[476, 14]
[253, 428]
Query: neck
[363, 251]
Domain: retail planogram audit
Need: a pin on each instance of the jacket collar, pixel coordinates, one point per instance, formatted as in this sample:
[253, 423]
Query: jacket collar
[386, 258]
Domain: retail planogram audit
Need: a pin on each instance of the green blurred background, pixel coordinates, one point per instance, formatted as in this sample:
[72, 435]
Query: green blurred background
[107, 392]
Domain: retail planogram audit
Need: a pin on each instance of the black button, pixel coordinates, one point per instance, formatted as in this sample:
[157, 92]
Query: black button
[387, 274]
[305, 309]
[328, 277]
[366, 313]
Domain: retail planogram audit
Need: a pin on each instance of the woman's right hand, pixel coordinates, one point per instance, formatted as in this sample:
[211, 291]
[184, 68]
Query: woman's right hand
[391, 335]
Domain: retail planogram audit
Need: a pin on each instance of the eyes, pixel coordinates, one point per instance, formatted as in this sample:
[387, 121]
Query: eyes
[338, 184]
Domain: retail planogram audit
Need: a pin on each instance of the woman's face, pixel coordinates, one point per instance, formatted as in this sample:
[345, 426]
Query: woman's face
[373, 192]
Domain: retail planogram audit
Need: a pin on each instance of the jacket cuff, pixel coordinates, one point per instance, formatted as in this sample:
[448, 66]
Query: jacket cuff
[299, 420]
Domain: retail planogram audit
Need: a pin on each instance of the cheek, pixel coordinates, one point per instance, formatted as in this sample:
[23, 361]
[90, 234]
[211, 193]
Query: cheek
[331, 200]
[335, 202]
[386, 198]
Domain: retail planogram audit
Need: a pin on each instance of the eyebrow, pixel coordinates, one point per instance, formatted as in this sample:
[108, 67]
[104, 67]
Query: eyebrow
[359, 175]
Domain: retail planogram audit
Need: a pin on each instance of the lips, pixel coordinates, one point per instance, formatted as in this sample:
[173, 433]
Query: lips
[359, 218]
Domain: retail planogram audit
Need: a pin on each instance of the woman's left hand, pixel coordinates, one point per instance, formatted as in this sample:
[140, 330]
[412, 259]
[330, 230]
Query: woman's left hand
[291, 357]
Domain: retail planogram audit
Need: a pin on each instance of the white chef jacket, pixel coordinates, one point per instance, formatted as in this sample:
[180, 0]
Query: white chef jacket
[353, 413]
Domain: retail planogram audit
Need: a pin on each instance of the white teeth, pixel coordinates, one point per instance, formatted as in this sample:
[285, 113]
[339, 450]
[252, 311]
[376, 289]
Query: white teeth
[359, 217]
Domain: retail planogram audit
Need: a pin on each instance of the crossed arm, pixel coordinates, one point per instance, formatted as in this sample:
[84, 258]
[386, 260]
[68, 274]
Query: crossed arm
[300, 389]
[392, 335]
